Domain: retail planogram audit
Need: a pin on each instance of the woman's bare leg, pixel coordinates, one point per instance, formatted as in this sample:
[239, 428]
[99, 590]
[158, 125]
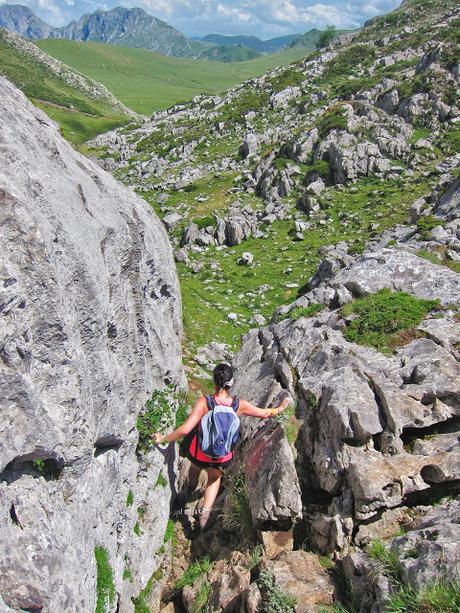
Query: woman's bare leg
[192, 479]
[210, 494]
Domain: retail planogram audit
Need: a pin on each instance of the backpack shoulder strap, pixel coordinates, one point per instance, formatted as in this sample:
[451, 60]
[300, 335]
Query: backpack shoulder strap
[235, 404]
[210, 402]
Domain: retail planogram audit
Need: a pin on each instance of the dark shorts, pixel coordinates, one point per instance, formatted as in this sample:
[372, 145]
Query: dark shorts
[220, 465]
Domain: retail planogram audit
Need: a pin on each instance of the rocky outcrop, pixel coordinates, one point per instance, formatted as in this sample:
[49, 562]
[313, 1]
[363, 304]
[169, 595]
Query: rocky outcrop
[90, 326]
[361, 450]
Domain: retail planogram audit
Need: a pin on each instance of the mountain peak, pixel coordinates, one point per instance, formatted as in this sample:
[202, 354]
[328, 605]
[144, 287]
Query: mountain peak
[21, 19]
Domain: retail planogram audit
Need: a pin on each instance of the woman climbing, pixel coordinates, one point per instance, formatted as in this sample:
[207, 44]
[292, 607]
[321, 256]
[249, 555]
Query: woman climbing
[213, 426]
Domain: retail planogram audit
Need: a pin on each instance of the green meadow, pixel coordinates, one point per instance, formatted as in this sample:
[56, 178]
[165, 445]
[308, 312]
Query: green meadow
[146, 81]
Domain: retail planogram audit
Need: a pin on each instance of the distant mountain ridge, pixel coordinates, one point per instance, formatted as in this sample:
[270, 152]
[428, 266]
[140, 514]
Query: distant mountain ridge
[228, 53]
[253, 42]
[22, 21]
[310, 39]
[129, 28]
[134, 27]
[118, 26]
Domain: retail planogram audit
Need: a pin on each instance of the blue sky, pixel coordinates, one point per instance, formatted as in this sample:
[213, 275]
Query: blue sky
[263, 18]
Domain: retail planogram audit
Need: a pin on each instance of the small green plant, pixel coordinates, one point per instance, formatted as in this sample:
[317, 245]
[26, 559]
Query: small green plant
[169, 534]
[425, 224]
[255, 556]
[326, 562]
[288, 420]
[137, 529]
[298, 312]
[195, 570]
[388, 558]
[357, 248]
[181, 412]
[39, 466]
[161, 481]
[204, 222]
[105, 588]
[141, 511]
[127, 574]
[237, 512]
[274, 600]
[440, 597]
[141, 603]
[309, 311]
[129, 499]
[384, 320]
[333, 119]
[156, 417]
[319, 167]
[164, 409]
[202, 597]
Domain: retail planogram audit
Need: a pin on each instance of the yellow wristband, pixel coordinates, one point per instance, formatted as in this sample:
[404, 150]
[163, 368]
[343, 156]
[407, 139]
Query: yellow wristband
[273, 412]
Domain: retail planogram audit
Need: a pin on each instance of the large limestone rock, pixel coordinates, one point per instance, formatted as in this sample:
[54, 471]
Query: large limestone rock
[90, 326]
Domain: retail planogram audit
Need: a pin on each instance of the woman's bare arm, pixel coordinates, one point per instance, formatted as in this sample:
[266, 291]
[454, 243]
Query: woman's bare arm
[246, 408]
[188, 425]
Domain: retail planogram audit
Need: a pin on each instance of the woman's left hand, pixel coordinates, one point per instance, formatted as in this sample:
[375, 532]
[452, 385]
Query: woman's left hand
[157, 438]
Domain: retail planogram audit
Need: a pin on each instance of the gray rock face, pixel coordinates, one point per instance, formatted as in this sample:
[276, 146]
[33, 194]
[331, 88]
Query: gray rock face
[90, 326]
[282, 98]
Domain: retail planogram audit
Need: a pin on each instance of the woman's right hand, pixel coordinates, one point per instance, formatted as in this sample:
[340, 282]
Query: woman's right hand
[285, 403]
[157, 438]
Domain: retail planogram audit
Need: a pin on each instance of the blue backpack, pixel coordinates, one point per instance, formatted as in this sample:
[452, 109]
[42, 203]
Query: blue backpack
[219, 429]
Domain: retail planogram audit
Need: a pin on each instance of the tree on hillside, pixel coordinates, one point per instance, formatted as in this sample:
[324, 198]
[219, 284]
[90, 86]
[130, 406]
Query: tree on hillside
[326, 37]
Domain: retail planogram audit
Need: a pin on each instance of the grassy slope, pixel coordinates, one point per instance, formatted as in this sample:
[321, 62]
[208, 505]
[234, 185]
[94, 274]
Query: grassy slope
[80, 117]
[146, 81]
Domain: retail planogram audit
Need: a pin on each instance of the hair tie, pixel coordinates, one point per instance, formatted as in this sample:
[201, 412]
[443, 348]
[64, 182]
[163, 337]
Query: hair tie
[229, 383]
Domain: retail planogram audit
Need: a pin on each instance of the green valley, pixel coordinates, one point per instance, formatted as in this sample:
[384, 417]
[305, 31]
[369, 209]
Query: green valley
[146, 81]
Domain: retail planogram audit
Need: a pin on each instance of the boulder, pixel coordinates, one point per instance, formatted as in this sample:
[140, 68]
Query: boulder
[250, 145]
[90, 327]
[275, 542]
[190, 234]
[273, 490]
[281, 99]
[316, 187]
[171, 219]
[246, 259]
